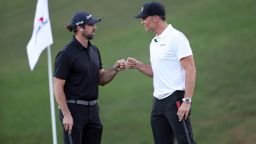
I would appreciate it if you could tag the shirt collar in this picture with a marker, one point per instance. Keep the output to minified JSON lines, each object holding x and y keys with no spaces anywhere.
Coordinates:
{"x":165,"y":32}
{"x":79,"y":45}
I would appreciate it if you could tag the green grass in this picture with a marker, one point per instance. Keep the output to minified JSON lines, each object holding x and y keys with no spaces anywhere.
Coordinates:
{"x":221,"y":33}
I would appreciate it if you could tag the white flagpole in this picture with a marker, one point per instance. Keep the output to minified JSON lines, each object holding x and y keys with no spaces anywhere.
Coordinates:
{"x":54,"y":131}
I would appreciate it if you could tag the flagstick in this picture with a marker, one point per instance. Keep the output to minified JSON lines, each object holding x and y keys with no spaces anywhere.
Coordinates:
{"x":54,"y":133}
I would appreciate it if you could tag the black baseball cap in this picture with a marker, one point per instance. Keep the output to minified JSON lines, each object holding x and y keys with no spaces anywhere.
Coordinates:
{"x":81,"y":18}
{"x":151,"y":9}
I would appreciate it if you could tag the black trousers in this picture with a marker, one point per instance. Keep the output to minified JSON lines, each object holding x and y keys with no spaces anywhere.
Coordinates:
{"x":87,"y":128}
{"x":165,"y":123}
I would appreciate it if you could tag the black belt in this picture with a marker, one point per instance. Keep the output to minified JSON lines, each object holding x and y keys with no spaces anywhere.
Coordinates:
{"x":83,"y":102}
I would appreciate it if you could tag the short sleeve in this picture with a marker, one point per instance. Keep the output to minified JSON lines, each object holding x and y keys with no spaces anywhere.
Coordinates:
{"x":62,"y":65}
{"x":183,"y":48}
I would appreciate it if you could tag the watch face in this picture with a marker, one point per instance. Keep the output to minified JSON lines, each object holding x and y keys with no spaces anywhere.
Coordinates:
{"x":186,"y":100}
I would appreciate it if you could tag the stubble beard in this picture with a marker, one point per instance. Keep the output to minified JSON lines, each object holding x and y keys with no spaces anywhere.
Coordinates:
{"x":89,"y":36}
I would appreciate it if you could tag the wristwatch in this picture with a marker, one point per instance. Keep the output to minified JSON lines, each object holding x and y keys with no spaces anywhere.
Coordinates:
{"x":187,"y":100}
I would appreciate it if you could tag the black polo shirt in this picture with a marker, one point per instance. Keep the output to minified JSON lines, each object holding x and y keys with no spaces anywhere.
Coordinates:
{"x":80,"y":67}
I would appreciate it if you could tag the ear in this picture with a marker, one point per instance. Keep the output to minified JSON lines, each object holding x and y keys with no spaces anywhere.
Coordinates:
{"x":79,"y":28}
{"x":155,"y":18}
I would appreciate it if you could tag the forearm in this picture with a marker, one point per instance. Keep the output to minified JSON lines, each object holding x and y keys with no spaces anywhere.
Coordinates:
{"x":145,"y":69}
{"x":190,"y":79}
{"x":107,"y":76}
{"x":61,"y":98}
{"x":62,"y":103}
{"x":133,"y":63}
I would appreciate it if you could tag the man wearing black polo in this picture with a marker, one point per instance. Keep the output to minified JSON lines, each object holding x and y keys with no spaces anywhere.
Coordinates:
{"x":78,"y":73}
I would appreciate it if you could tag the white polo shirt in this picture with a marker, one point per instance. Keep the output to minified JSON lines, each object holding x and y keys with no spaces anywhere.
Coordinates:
{"x":166,"y":50}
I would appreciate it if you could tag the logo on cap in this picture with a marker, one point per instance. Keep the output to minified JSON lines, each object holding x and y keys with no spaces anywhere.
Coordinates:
{"x":89,"y":16}
{"x":141,"y":9}
{"x":78,"y":23}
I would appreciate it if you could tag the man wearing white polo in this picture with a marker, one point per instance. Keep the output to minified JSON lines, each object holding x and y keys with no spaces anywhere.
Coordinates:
{"x":173,"y":71}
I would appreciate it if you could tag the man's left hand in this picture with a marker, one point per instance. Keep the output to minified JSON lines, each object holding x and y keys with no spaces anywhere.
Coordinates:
{"x":183,"y":111}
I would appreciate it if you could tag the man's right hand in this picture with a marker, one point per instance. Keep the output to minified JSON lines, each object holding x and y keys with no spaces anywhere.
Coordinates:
{"x":132,"y":63}
{"x":68,"y":123}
